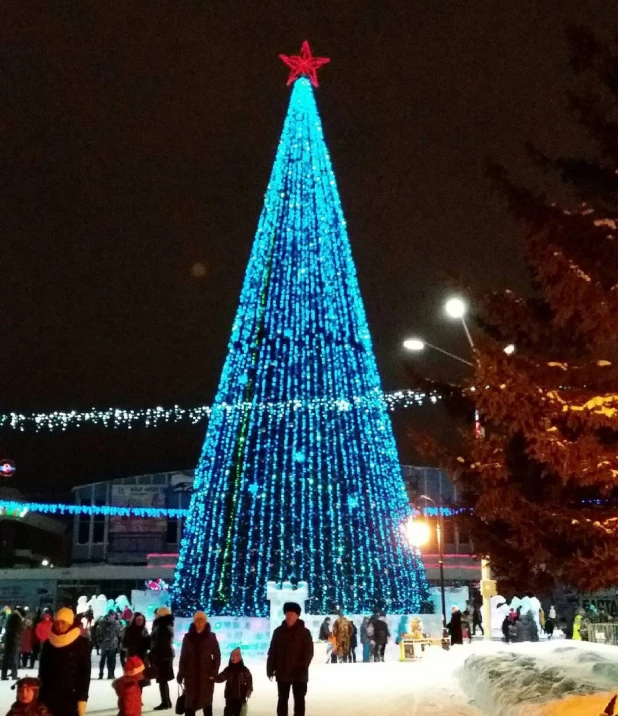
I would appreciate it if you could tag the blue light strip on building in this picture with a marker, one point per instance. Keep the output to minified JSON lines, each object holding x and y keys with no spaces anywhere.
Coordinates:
{"x":58,"y":508}
{"x":16,"y":508}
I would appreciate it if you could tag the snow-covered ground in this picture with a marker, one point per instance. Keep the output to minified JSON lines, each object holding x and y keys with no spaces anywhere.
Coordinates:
{"x":483,"y":678}
{"x":422,"y":688}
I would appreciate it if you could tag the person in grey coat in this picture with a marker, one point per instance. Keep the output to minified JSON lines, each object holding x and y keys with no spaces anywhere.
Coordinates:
{"x":200,"y":659}
{"x":108,"y":637}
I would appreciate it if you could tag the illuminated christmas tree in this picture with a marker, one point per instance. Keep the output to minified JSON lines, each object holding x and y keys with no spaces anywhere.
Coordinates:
{"x":299,"y":478}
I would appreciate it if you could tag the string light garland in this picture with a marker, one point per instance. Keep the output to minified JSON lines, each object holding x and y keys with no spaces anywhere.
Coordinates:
{"x":21,"y":509}
{"x":312,"y":489}
{"x":116,"y":418}
{"x":16,"y":508}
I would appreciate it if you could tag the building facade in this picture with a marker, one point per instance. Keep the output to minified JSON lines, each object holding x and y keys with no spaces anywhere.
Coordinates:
{"x":106,"y":554}
{"x":154,"y":541}
{"x":130,"y":540}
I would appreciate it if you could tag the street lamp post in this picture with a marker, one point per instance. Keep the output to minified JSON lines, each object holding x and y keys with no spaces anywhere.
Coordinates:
{"x":456,"y":308}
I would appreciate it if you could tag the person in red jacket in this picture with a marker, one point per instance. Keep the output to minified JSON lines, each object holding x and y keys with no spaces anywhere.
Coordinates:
{"x":43,"y":628}
{"x":27,"y":644}
{"x":128,"y":689}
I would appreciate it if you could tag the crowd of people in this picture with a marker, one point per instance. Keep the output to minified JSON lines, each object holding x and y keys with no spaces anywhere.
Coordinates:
{"x":65,"y":662}
{"x":24,"y":635}
{"x":520,"y":627}
{"x":463,"y":625}
{"x":342,"y":638}
{"x":64,"y":646}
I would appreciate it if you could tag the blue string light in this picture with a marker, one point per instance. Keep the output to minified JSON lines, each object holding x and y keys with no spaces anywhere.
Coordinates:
{"x":310,"y":490}
{"x":13,"y":507}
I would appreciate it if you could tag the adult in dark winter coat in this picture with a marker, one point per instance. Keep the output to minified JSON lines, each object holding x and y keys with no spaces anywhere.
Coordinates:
{"x":477,"y":620}
{"x":12,"y":643}
{"x":454,"y":627}
{"x":353,"y":643}
{"x":506,"y":629}
{"x":325,"y":631}
{"x":162,"y":654}
{"x":289,"y":657}
{"x":381,"y":634}
{"x":136,"y":640}
{"x":326,"y":635}
{"x":64,"y":668}
{"x":200,"y":659}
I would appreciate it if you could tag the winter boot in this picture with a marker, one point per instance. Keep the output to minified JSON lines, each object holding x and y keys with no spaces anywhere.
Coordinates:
{"x":165,"y":704}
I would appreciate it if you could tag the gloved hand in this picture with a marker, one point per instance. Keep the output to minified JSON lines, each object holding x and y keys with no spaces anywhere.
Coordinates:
{"x":81,"y":707}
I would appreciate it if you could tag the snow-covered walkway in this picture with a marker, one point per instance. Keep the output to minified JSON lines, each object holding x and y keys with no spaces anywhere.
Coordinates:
{"x":422,"y":688}
{"x":498,"y":680}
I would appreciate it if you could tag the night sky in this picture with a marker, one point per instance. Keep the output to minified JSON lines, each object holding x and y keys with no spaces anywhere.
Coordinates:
{"x":137,"y":141}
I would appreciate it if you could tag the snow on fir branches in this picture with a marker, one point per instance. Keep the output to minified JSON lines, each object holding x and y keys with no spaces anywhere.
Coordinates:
{"x":543,"y":482}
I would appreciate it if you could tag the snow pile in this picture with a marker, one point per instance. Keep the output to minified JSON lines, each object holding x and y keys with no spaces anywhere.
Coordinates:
{"x":542,"y":679}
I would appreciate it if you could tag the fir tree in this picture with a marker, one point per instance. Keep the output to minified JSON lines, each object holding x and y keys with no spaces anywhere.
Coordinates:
{"x":542,"y":482}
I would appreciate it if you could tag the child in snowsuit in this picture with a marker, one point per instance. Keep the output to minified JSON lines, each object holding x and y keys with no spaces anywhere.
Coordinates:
{"x":28,"y":703}
{"x":128,"y":689}
{"x":238,"y":684}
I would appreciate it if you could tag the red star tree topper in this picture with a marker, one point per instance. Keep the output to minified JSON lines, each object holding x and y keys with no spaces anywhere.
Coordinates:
{"x":304,"y":64}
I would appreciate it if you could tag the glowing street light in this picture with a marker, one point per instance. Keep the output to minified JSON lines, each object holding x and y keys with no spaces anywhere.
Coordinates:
{"x":510,"y":349}
{"x":417,"y":532}
{"x":45,"y":563}
{"x":455,"y":308}
{"x":414,"y":344}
